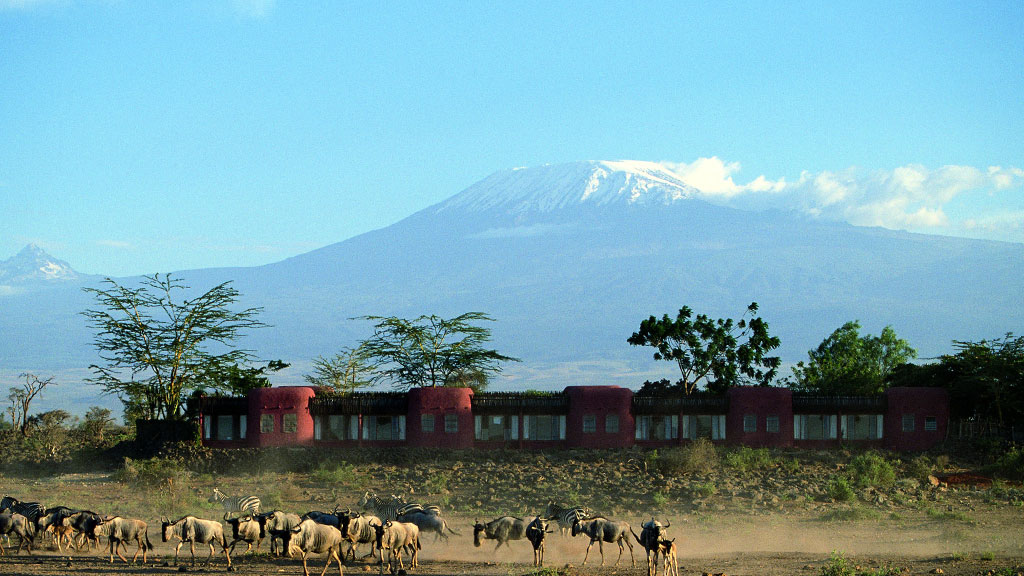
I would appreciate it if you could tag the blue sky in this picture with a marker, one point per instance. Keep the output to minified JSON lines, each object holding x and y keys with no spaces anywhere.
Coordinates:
{"x":138,"y":137}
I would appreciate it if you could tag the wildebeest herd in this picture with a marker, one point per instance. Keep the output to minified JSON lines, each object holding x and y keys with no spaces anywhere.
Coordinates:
{"x":390,"y":527}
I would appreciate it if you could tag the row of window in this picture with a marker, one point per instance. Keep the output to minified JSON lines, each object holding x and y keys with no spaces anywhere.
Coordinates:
{"x":552,"y":427}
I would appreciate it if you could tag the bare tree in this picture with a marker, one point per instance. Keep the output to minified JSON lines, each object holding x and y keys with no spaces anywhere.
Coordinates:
{"x":21,"y":398}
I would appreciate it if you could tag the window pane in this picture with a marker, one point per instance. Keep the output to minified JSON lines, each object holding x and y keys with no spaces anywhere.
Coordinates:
{"x":749,"y":423}
{"x":336,"y":427}
{"x":290,"y":423}
{"x":931,"y":424}
{"x":266,"y":423}
{"x":451,"y":423}
{"x":427,"y":422}
{"x":225,"y":427}
{"x":772,"y":424}
{"x":611,"y":424}
{"x":908,"y":422}
{"x":589,"y":423}
{"x":242,"y":421}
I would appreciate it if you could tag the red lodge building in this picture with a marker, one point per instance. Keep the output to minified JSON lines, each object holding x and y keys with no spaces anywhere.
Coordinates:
{"x":904,"y":419}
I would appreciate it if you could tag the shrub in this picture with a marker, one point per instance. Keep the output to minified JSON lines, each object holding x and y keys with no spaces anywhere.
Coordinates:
{"x":746,"y":458}
{"x":838,"y":565}
{"x":1009,"y":465}
{"x":839,"y":489}
{"x":704,"y":489}
{"x":871,"y":469}
{"x":698,"y":457}
{"x":152,"y":473}
{"x":919,"y":468}
{"x":660,"y":499}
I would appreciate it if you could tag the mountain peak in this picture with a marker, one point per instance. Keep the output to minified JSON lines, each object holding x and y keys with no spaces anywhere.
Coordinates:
{"x":555,"y":186}
{"x":32,"y":263}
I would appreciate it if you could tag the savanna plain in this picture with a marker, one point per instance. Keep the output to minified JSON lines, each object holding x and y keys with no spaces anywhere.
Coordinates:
{"x":733,"y":511}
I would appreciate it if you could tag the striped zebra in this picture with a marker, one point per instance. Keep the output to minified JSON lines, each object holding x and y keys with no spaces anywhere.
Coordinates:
{"x":393,"y":507}
{"x":234,"y":504}
{"x":31,"y":510}
{"x":567,"y":515}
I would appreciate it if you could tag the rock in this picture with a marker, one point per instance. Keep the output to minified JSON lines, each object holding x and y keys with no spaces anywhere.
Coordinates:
{"x":938,"y":571}
{"x":933,"y":480}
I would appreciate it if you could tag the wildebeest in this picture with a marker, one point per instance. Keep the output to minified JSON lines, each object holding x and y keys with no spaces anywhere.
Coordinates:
{"x":502,"y":529}
{"x":535,"y":534}
{"x":311,"y":537}
{"x":323,"y":518}
{"x":651,"y":535}
{"x":82,"y":523}
{"x":428,"y":522}
{"x":120,"y":531}
{"x":602,"y":530}
{"x":357,"y":528}
{"x":14,"y":523}
{"x":52,"y":521}
{"x":275,"y":523}
{"x":396,"y":537}
{"x":194,"y":530}
{"x":245,"y":529}
{"x":667,"y":548}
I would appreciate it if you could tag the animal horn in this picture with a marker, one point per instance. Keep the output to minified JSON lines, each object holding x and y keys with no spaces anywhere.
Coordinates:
{"x":668,"y":523}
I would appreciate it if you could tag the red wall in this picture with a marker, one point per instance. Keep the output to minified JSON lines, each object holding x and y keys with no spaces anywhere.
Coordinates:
{"x":760,"y":402}
{"x":921,"y":402}
{"x":278,"y":402}
{"x":440,"y":401}
{"x":599,"y":401}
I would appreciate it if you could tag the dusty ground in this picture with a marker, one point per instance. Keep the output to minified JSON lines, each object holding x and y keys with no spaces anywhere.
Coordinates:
{"x":772,"y":521}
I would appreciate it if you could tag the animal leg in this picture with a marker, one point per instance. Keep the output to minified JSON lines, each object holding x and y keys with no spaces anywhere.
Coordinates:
{"x":305,"y":569}
{"x":587,"y":555}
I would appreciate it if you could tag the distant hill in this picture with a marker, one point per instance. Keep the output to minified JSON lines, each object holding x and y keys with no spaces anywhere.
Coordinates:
{"x":568,"y":259}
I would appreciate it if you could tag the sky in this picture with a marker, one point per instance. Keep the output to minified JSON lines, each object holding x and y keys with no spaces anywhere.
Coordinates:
{"x":140,"y":137}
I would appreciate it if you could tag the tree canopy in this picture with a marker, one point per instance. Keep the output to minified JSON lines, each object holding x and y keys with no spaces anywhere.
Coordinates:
{"x":346,"y":371}
{"x":431,"y":351}
{"x":850,"y":364}
{"x":156,"y":345}
{"x":720,"y":353}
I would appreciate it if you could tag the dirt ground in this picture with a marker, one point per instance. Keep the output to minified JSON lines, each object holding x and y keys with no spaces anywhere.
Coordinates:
{"x":730,"y":544}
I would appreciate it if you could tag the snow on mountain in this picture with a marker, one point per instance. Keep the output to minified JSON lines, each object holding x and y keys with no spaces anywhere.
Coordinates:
{"x":33,"y":264}
{"x":557,"y":186}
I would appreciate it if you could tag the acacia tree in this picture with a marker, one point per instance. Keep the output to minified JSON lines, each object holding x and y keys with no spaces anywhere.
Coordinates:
{"x":430,"y":351}
{"x":21,"y":398}
{"x":718,"y":352}
{"x":848,"y":363}
{"x":990,"y":377}
{"x":156,"y":345}
{"x":346,"y":371}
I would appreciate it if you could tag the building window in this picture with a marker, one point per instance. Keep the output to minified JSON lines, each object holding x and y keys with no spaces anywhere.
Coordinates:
{"x":814,"y":427}
{"x":589,"y":423}
{"x":495,"y":427}
{"x":862,"y":426}
{"x":711,"y":426}
{"x":334,"y":427}
{"x":931,"y":424}
{"x":207,"y":419}
{"x":426,"y":422}
{"x":749,"y":423}
{"x":242,"y":422}
{"x":289,"y":423}
{"x":657,"y":427}
{"x":611,"y":424}
{"x":266,"y":423}
{"x":451,"y":423}
{"x":771,"y":424}
{"x":383,"y":427}
{"x":908,"y":422}
{"x":544,"y":427}
{"x":225,"y":427}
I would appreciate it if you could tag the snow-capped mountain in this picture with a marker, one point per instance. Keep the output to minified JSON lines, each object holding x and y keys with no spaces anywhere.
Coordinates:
{"x":556,"y":186}
{"x":568,"y":259}
{"x":33,"y":264}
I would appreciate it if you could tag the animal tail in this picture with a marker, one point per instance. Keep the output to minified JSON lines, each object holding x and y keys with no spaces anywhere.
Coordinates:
{"x":449,"y":528}
{"x":635,"y":536}
{"x":149,"y":545}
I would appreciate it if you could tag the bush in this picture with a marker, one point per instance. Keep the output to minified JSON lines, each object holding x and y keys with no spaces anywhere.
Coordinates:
{"x":152,"y":473}
{"x":871,"y":469}
{"x":700,"y":456}
{"x":1010,"y":465}
{"x":838,"y":565}
{"x":746,"y":458}
{"x":839,"y":489}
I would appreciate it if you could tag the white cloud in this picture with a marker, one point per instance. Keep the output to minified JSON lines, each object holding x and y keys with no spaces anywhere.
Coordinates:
{"x":114,"y":244}
{"x":957,"y":200}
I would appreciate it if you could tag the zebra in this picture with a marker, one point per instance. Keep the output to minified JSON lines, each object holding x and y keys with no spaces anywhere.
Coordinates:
{"x":31,"y":510}
{"x":567,"y":516}
{"x":236,"y":504}
{"x":393,"y":507}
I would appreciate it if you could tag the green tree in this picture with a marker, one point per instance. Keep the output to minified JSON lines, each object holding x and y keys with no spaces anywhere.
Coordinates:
{"x":238,"y":381}
{"x":848,"y":363}
{"x":95,"y":426}
{"x":717,"y":352}
{"x":989,"y":377}
{"x":430,"y":351}
{"x":157,"y":345}
{"x":346,"y":371}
